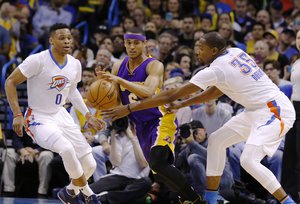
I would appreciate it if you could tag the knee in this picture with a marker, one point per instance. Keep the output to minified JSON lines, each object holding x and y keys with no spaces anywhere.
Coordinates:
{"x":45,"y":156}
{"x":67,"y":150}
{"x":89,"y":167}
{"x":246,"y":162}
{"x":194,"y":160}
{"x":146,"y":184}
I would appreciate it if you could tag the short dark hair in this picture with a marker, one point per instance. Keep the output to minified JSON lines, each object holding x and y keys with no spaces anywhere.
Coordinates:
{"x":58,"y":26}
{"x":214,"y":39}
{"x":136,"y":30}
{"x":275,"y":64}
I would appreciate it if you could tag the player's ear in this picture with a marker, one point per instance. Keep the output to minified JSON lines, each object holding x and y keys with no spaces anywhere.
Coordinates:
{"x":215,"y":50}
{"x":50,"y":41}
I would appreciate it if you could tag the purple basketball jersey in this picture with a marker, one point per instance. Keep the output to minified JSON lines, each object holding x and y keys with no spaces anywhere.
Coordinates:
{"x":139,"y":75}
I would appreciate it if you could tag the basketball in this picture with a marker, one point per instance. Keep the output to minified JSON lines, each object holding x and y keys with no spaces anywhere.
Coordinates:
{"x":102,"y":95}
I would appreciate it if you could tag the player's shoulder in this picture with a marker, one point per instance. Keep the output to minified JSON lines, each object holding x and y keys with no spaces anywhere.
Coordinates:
{"x":117,"y":65}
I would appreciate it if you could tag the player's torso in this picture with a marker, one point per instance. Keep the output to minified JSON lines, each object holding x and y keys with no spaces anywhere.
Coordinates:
{"x":48,"y":90}
{"x":139,"y":75}
{"x":244,"y":81}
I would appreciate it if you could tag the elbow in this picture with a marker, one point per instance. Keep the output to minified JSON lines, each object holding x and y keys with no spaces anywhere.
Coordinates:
{"x":144,"y":164}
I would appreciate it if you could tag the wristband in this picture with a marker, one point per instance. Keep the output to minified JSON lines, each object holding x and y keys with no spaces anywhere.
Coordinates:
{"x":18,"y":115}
{"x":128,"y":108}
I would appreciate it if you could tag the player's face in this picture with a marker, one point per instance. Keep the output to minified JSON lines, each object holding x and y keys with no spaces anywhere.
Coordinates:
{"x":298,"y":40}
{"x":61,"y":41}
{"x":205,"y":53}
{"x":134,"y":47}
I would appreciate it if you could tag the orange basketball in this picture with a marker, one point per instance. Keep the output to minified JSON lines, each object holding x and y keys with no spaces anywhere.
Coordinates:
{"x":102,"y":95}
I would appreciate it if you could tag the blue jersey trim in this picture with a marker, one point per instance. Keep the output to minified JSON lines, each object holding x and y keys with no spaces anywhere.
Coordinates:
{"x":54,"y":60}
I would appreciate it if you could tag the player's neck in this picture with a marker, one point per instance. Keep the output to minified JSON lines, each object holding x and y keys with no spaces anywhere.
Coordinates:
{"x":135,"y":62}
{"x":59,"y":58}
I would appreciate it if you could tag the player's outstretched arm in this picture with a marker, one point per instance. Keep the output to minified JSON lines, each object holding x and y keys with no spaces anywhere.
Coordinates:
{"x":15,"y":78}
{"x":207,"y":95}
{"x":153,"y":101}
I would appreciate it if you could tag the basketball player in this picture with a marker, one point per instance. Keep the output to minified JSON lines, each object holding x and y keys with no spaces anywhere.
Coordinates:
{"x":52,"y":76}
{"x":140,"y":77}
{"x":267,"y":117}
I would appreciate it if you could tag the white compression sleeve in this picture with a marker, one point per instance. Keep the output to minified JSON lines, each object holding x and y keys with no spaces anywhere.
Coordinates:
{"x":77,"y":100}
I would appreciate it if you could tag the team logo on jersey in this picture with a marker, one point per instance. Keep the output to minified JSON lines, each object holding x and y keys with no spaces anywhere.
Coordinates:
{"x":58,"y":82}
{"x":168,"y":139}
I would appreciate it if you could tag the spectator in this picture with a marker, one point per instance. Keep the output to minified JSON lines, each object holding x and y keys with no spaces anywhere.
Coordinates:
{"x":285,"y":46}
{"x":272,"y":38}
{"x":5,"y":43}
{"x":165,"y":45}
{"x":263,"y":16}
{"x":211,"y":116}
{"x":257,"y":34}
{"x":128,"y":180}
{"x":188,"y":28}
{"x":272,"y":69}
{"x":25,"y":151}
{"x":84,"y":54}
{"x":47,"y":15}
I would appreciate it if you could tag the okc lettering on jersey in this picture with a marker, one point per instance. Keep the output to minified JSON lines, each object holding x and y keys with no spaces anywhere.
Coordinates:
{"x":58,"y":82}
{"x":136,"y":82}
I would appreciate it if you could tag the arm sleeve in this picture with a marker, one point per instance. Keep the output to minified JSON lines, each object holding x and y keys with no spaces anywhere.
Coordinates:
{"x":205,"y":78}
{"x":77,"y":100}
{"x":30,"y":66}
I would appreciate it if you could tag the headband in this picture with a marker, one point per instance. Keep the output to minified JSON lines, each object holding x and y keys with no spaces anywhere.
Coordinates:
{"x":135,"y":36}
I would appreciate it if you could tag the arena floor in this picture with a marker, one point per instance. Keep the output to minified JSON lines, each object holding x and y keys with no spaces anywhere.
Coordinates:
{"x":6,"y":200}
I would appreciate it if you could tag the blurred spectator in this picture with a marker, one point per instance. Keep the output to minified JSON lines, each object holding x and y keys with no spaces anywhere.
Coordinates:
{"x":261,"y":52}
{"x":185,"y":63}
{"x":5,"y":43}
{"x":100,"y":32}
{"x":102,"y":60}
{"x":168,"y":68}
{"x":154,"y":6}
{"x":152,"y":48}
{"x":165,"y":45}
{"x":84,"y":54}
{"x":285,"y":46}
{"x":11,"y":24}
{"x":117,"y":30}
{"x":130,"y":7}
{"x":183,"y":115}
{"x":128,"y":23}
{"x":139,"y":16}
{"x":272,"y":38}
{"x":240,"y":16}
{"x":47,"y":15}
{"x":159,"y":21}
{"x":212,"y":10}
{"x":263,"y":16}
{"x":87,"y":78}
{"x":192,"y":158}
{"x":258,"y":31}
{"x":188,"y":27}
{"x":24,"y":154}
{"x":128,"y":180}
{"x":272,"y":69}
{"x":276,"y":16}
{"x":206,"y":22}
{"x":211,"y":116}
{"x":119,"y":48}
{"x":107,"y":43}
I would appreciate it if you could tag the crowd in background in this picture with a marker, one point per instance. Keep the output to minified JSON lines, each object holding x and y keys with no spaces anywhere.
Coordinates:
{"x":266,"y":30}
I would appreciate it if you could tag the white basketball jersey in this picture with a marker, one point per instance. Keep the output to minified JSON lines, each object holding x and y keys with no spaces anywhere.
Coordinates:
{"x":48,"y":83}
{"x":237,"y":75}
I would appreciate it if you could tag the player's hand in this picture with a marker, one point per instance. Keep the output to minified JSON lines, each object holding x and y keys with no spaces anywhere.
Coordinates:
{"x":174,"y":106}
{"x":18,"y":124}
{"x":95,"y":123}
{"x":108,"y":76}
{"x":115,"y":113}
{"x":24,"y":154}
{"x":106,"y":148}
